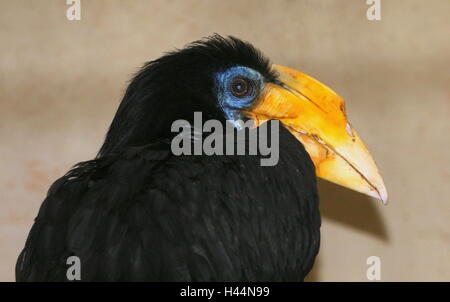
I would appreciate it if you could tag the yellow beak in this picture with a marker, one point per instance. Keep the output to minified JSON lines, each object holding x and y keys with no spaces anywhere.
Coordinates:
{"x":315,"y":115}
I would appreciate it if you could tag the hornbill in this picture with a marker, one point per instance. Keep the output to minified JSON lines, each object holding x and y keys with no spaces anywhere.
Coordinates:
{"x":138,"y":212}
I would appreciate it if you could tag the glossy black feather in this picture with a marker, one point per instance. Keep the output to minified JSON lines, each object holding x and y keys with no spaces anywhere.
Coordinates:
{"x":148,"y":215}
{"x":137,"y":212}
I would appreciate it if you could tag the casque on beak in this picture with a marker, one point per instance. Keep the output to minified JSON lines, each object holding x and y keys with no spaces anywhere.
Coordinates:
{"x":316,"y":116}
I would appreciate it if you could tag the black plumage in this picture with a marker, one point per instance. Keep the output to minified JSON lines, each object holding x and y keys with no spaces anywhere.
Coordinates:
{"x":139,"y":213}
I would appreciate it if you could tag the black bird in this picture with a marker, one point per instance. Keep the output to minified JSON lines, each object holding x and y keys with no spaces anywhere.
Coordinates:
{"x":138,"y":212}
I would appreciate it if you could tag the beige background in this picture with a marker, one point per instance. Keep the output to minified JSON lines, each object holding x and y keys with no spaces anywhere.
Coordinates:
{"x":61,"y":82}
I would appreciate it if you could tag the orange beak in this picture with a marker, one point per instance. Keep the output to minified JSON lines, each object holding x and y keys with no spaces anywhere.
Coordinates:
{"x":315,"y":115}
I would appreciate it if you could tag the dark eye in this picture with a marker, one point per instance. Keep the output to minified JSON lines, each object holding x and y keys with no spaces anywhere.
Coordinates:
{"x":241,"y":87}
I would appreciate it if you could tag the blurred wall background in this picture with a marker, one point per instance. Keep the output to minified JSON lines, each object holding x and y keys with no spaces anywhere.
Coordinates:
{"x":61,"y":82}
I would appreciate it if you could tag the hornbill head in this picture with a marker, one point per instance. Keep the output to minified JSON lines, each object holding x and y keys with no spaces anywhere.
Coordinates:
{"x":228,"y":79}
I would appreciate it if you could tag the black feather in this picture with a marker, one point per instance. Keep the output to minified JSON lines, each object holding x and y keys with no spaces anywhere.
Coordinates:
{"x":137,"y":212}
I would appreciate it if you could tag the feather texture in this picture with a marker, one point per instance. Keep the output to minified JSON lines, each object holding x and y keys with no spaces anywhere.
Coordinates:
{"x":146,"y":215}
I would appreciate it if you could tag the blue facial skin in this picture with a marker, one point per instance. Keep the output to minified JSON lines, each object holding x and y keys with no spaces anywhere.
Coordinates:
{"x":231,"y":104}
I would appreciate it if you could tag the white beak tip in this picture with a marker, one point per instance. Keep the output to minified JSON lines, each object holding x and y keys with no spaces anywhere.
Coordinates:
{"x":380,"y":194}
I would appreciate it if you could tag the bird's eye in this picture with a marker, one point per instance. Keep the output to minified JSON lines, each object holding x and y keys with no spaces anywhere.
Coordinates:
{"x":241,"y":87}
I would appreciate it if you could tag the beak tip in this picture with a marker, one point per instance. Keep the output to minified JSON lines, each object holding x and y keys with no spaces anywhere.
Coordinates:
{"x":381,"y":194}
